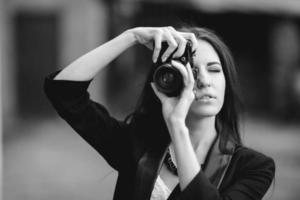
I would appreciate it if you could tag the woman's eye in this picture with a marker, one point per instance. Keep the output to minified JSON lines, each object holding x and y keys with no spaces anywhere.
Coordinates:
{"x":214,"y":69}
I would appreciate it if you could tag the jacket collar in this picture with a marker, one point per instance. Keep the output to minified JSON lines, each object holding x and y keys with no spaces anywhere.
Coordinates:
{"x":217,"y":162}
{"x":214,"y":167}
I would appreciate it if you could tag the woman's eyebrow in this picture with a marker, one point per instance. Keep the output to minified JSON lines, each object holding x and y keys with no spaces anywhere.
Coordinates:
{"x":213,"y":63}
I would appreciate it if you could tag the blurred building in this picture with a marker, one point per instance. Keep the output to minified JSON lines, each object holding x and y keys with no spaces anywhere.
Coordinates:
{"x":1,"y":116}
{"x":44,"y":36}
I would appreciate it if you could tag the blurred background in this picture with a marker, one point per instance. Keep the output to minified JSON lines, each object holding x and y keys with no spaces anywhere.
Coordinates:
{"x":43,"y":158}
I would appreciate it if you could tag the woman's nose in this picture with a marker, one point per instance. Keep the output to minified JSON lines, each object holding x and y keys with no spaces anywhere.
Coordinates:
{"x":202,"y":79}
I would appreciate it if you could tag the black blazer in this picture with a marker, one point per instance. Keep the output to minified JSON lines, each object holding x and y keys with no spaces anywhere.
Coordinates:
{"x":243,"y":174}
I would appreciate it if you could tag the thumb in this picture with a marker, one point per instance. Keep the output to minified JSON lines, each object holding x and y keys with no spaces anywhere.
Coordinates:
{"x":159,"y":94}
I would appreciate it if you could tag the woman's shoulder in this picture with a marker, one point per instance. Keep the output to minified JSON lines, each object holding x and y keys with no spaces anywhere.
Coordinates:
{"x":252,"y":158}
{"x":251,"y":152}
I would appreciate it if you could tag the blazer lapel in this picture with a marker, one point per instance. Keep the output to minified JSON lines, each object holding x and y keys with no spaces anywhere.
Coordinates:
{"x":214,"y":167}
{"x":147,"y":171}
{"x":217,"y":163}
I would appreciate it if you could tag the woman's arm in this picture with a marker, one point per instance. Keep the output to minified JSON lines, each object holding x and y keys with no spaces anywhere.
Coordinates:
{"x":186,"y":159}
{"x":67,"y":90}
{"x":88,"y":65}
{"x":175,"y":110}
{"x":249,"y":176}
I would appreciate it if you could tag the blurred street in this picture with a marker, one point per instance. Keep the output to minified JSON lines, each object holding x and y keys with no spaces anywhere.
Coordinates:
{"x":48,"y":161}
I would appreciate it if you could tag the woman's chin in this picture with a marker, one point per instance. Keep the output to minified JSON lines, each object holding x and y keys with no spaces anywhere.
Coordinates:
{"x":204,"y":111}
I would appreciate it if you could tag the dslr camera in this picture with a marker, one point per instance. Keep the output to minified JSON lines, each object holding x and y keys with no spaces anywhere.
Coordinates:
{"x":167,"y":78}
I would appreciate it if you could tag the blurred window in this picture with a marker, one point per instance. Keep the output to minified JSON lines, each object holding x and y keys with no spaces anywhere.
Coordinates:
{"x":36,"y":48}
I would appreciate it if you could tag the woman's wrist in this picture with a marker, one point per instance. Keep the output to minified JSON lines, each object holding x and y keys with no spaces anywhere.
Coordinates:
{"x":177,"y":126}
{"x":176,"y":122}
{"x":130,"y":36}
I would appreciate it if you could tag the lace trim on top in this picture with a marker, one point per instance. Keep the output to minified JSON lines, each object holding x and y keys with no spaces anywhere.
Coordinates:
{"x":160,"y":190}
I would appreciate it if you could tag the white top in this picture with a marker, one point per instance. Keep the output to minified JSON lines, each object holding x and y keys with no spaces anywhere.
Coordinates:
{"x":160,"y":190}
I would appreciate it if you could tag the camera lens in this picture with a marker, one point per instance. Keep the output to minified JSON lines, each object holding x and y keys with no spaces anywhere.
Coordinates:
{"x":168,"y":80}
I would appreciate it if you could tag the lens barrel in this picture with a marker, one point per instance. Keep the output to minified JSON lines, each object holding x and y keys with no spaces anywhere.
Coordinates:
{"x":168,"y":80}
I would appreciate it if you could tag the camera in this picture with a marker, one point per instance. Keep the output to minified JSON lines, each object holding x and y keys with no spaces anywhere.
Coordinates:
{"x":168,"y":78}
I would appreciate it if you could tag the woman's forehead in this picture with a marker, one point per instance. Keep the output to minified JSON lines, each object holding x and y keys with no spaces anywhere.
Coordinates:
{"x":205,"y":53}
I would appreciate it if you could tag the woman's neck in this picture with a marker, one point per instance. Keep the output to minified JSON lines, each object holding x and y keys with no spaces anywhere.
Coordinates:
{"x":202,"y":131}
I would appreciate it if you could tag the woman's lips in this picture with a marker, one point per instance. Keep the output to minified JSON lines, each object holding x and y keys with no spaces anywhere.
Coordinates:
{"x":205,"y":97}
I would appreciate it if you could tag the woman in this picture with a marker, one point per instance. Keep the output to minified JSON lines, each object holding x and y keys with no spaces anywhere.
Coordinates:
{"x":184,"y":147}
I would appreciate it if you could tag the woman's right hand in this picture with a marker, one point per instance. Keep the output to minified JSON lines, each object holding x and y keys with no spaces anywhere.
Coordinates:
{"x":152,"y":37}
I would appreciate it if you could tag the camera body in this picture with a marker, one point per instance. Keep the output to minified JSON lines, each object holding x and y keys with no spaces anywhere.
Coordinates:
{"x":168,"y":78}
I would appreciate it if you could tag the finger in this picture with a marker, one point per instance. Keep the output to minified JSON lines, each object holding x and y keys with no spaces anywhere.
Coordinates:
{"x":188,"y":90}
{"x":181,"y":46}
{"x":181,"y":42}
{"x":191,"y":80}
{"x":160,"y":95}
{"x":182,"y":70}
{"x":157,"y":47}
{"x":172,"y":45}
{"x":192,"y":38}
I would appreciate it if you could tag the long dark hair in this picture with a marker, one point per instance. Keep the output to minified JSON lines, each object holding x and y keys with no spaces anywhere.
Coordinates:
{"x":148,"y":114}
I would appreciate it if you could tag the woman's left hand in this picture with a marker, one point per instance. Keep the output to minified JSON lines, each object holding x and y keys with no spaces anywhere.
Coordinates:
{"x":175,"y":109}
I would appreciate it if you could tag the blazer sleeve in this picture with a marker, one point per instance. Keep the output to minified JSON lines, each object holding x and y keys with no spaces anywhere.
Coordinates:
{"x":89,"y":119}
{"x":251,"y":183}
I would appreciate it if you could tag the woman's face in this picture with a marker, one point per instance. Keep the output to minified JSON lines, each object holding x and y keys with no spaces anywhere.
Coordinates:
{"x":210,"y":83}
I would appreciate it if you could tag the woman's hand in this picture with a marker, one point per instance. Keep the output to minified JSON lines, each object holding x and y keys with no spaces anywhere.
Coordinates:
{"x":176,"y":40}
{"x":175,"y":109}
